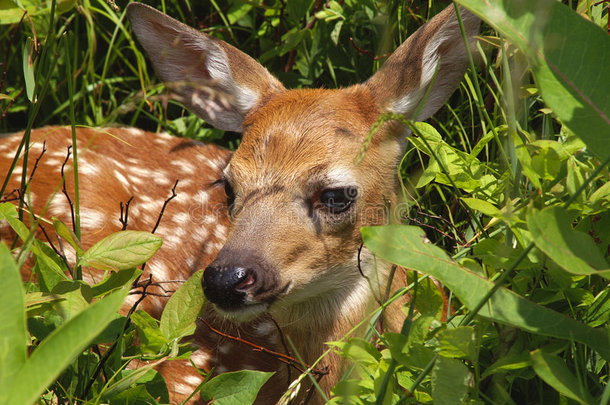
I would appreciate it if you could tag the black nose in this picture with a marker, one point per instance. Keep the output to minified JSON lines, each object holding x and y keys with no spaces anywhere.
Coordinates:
{"x":227,"y":286}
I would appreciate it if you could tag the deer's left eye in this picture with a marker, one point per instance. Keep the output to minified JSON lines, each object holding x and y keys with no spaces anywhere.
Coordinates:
{"x":338,"y":200}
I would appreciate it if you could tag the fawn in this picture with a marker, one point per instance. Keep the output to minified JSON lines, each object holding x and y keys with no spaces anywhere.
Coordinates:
{"x":275,"y":224}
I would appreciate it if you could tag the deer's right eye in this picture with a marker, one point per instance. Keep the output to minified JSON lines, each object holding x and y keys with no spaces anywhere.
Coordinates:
{"x":338,"y":200}
{"x":230,"y":195}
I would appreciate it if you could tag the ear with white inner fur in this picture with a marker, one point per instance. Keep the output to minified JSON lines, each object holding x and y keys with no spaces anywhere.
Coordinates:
{"x":214,"y":80}
{"x":401,"y":83}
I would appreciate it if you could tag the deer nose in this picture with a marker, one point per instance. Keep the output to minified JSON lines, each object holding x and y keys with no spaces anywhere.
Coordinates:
{"x":226,"y":286}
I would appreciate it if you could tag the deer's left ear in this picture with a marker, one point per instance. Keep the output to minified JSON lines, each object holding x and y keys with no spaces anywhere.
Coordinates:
{"x":401,"y":83}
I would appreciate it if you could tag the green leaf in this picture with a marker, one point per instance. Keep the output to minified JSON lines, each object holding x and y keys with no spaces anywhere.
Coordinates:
{"x":574,"y":251}
{"x":457,"y":343}
{"x":115,"y":280}
{"x":404,"y":245}
{"x":13,"y":335}
{"x":483,"y":206}
{"x":449,"y":381}
{"x":236,"y":388}
{"x":151,"y":338}
{"x":183,"y":308}
{"x":28,"y":69}
{"x":555,"y":373}
{"x":56,"y":351}
{"x":121,"y":250}
{"x":50,"y":272}
{"x":68,"y":235}
{"x":569,"y":56}
{"x":525,"y":159}
{"x":358,"y":350}
{"x":511,"y":362}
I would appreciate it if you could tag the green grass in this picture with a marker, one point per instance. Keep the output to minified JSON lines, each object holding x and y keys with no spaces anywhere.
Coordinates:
{"x":509,"y":183}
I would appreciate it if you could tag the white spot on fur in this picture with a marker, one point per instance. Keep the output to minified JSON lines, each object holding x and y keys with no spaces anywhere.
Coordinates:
{"x":88,"y":169}
{"x":55,"y":162}
{"x":59,"y":206}
{"x":92,"y":219}
{"x":220,"y":231}
{"x":193,"y":380}
{"x":159,"y":270}
{"x":220,"y":369}
{"x":181,"y":218}
{"x":138,"y":171}
{"x":161,"y":179}
{"x":181,"y":388}
{"x":134,"y":131}
{"x":121,"y":178}
{"x":184,"y":165}
{"x":200,"y":234}
{"x":200,"y":358}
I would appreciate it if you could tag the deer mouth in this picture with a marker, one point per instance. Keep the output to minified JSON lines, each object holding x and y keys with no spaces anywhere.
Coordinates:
{"x":246,"y":302}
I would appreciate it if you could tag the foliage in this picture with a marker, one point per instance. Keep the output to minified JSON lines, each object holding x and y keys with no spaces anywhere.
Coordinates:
{"x":511,"y":190}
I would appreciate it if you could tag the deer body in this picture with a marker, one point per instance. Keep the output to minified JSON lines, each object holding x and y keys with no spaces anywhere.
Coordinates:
{"x":276,"y":225}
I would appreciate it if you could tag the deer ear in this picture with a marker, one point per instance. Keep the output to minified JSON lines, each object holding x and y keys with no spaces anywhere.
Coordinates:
{"x":401,"y":83}
{"x":213,"y":79}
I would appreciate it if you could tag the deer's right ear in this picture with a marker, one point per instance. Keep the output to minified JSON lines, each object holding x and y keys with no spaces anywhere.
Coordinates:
{"x":214,"y":80}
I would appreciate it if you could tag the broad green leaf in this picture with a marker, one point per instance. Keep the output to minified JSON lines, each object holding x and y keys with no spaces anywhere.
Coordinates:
{"x":236,"y":388}
{"x":555,"y":373}
{"x":180,"y":313}
{"x":457,"y":343}
{"x":115,"y":280}
{"x":151,"y":338}
{"x":598,"y":312}
{"x":121,"y":250}
{"x":569,"y":57}
{"x":449,"y":380}
{"x":404,"y":245}
{"x":358,"y":350}
{"x":68,"y":235}
{"x":511,"y":362}
{"x":574,"y":251}
{"x":50,"y":272}
{"x":77,"y":296}
{"x":483,"y":207}
{"x":58,"y":349}
{"x":10,"y":13}
{"x":13,"y":335}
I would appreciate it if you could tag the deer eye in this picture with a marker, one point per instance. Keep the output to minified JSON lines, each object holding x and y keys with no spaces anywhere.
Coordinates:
{"x":338,"y":200}
{"x":230,"y":195}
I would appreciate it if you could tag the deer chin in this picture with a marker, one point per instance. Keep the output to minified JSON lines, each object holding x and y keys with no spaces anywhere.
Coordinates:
{"x":246,"y":313}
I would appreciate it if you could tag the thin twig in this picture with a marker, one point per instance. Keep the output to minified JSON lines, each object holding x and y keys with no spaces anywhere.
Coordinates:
{"x":124,"y":216}
{"x":44,"y":149}
{"x":63,"y":187}
{"x":278,"y":356}
{"x":165,"y":205}
{"x":100,"y":365}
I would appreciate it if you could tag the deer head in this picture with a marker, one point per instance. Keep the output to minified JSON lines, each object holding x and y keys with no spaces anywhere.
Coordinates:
{"x":296,"y":196}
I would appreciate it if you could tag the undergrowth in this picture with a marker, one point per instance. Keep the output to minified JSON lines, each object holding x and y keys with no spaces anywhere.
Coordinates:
{"x":509,"y":182}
